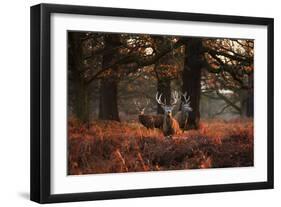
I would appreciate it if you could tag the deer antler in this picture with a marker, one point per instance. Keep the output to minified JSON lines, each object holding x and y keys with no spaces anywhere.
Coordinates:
{"x":141,"y":106}
{"x":137,"y":104}
{"x":175,"y":97}
{"x":186,"y":100}
{"x":158,"y":99}
{"x":147,"y":102}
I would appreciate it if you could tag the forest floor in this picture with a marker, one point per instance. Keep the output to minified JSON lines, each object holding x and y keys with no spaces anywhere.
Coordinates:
{"x":110,"y":147}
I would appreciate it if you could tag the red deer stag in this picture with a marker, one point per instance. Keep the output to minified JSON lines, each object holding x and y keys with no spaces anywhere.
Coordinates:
{"x":149,"y":121}
{"x":182,"y":116}
{"x":170,"y":125}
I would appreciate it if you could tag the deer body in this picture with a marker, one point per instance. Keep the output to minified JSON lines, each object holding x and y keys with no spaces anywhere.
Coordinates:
{"x":149,"y":121}
{"x":170,"y":124}
{"x":182,"y":116}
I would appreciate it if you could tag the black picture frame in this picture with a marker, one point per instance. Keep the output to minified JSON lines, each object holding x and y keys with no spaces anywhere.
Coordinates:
{"x":41,"y":96}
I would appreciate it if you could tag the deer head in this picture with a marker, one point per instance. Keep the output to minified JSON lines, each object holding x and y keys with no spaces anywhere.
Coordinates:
{"x":168,"y":108}
{"x":140,"y":106}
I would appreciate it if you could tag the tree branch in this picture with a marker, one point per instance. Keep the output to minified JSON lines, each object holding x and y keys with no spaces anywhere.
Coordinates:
{"x":140,"y":62}
{"x":239,"y":58}
{"x":228,"y":101}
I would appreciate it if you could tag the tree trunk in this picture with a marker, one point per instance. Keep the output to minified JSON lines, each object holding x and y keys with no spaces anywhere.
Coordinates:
{"x":164,"y":88}
{"x":192,"y":78}
{"x":247,"y":98}
{"x":81,"y":101}
{"x":108,"y":104}
{"x":79,"y":94}
{"x":250,"y":98}
{"x":108,"y":100}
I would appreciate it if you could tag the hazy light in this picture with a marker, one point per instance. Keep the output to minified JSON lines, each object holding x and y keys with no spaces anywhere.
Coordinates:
{"x":148,"y":51}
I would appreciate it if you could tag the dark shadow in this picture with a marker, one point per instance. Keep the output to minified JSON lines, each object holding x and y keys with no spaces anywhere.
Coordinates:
{"x":24,"y":195}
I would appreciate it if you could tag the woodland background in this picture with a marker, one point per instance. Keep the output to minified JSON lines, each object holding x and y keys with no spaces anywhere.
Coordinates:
{"x":107,"y":72}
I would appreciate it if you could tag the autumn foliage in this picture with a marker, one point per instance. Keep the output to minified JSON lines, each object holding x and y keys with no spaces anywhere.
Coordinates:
{"x":111,"y":147}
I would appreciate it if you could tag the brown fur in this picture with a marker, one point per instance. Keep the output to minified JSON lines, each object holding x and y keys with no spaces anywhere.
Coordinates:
{"x":171,"y":126}
{"x":182,"y":119}
{"x":158,"y":121}
{"x":151,"y":121}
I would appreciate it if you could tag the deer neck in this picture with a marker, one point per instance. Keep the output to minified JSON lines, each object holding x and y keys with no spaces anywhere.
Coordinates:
{"x":167,"y":122}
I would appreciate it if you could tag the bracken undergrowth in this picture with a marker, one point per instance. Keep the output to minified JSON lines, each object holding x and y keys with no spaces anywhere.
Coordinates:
{"x":113,"y":147}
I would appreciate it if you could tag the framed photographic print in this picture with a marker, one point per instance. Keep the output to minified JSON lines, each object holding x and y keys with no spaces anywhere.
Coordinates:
{"x":133,"y":103}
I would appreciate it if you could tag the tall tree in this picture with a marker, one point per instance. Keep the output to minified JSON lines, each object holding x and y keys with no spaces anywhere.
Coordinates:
{"x":76,"y":70}
{"x":191,"y":77}
{"x":108,"y":109}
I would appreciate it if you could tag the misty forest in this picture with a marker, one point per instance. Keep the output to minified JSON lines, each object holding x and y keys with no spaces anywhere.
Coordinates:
{"x":142,"y":102}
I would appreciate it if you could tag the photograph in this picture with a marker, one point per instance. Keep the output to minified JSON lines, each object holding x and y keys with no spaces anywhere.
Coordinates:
{"x":134,"y":102}
{"x":150,"y":102}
